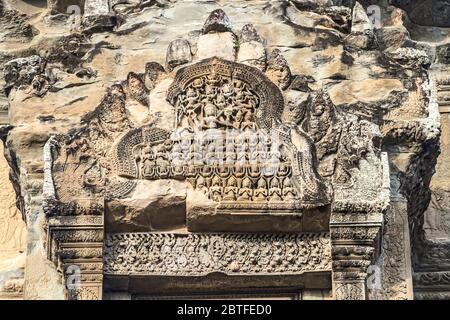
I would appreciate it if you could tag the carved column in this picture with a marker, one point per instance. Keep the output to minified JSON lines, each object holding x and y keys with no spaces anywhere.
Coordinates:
{"x":75,"y":245}
{"x":352,"y":248}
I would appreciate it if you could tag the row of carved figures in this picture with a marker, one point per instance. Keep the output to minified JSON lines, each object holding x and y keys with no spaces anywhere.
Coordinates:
{"x":246,"y":189}
{"x":162,"y":168}
{"x":221,"y":142}
{"x":162,"y":164}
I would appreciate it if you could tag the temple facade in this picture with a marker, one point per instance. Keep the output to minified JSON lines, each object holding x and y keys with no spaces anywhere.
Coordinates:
{"x":225,"y":150}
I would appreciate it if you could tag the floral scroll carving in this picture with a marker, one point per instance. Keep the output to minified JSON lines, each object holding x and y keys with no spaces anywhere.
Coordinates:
{"x":201,"y":254}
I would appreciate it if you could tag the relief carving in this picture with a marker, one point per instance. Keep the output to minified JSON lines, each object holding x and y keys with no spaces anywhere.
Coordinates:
{"x":201,"y":254}
{"x":218,"y":106}
{"x":247,"y":138}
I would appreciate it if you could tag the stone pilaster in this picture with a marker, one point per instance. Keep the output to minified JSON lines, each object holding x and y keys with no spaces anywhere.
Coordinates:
{"x":356,"y":233}
{"x":352,"y":251}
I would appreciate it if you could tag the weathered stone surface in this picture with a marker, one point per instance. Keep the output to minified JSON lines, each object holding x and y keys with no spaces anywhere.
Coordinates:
{"x":222,"y":45}
{"x":428,"y":12}
{"x":278,"y":70}
{"x":164,"y":208}
{"x":217,"y":21}
{"x":360,"y":20}
{"x":178,"y":53}
{"x":251,"y":49}
{"x":350,"y":96}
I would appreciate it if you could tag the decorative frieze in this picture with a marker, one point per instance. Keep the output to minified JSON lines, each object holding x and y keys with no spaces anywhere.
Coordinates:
{"x":168,"y":254}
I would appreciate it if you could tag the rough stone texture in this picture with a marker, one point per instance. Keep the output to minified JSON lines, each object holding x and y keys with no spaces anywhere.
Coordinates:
{"x":162,"y":210}
{"x":220,"y":45}
{"x":354,"y":97}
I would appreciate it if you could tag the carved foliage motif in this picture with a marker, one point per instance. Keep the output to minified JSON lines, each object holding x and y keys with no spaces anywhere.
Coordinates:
{"x":424,"y":279}
{"x":201,"y":254}
{"x":81,"y":162}
{"x":84,"y":293}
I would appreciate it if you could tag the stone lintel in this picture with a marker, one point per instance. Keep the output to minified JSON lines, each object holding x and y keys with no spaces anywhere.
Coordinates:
{"x":431,"y":285}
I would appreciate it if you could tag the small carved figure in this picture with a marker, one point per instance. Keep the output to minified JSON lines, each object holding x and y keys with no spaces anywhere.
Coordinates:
{"x":239,"y":171}
{"x":213,"y":79}
{"x":210,"y":92}
{"x":191,"y":105}
{"x":254,"y":171}
{"x":221,"y":102}
{"x":283,"y":169}
{"x":148,"y":161}
{"x":260,"y":194}
{"x":195,"y":154}
{"x":178,"y":171}
{"x":231,"y":189}
{"x":278,"y":70}
{"x":247,"y":121}
{"x":227,"y":90}
{"x":201,"y":185}
{"x":288,"y":189}
{"x":242,"y":154}
{"x":209,"y":120}
{"x":191,"y":171}
{"x":210,"y":156}
{"x":230,"y":154}
{"x":225,"y":116}
{"x":223,"y":171}
{"x":275,"y":190}
{"x":216,"y":189}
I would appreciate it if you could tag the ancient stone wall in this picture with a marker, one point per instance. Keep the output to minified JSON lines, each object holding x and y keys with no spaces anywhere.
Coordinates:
{"x":13,"y":239}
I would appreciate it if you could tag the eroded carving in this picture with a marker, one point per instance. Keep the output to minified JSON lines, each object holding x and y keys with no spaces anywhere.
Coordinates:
{"x":197,"y":254}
